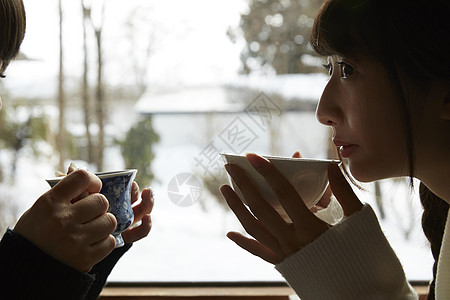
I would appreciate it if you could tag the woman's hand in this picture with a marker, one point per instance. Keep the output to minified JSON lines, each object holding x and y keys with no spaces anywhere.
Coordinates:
{"x":141,"y":211}
{"x":70,"y":222}
{"x":275,"y":239}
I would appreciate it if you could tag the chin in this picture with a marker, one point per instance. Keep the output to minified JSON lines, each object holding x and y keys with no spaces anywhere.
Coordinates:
{"x":366,"y":174}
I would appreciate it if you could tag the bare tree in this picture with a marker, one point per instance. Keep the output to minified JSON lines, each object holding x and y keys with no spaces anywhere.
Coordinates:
{"x":85,"y":84}
{"x":138,"y":21}
{"x":99,"y":92}
{"x":100,"y":100}
{"x":60,"y":140}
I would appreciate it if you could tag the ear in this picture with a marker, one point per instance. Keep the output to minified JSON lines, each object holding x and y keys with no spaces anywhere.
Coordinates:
{"x":445,"y":112}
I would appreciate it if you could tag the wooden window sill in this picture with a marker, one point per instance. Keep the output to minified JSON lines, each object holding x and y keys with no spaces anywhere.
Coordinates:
{"x":197,"y":291}
{"x":210,"y":291}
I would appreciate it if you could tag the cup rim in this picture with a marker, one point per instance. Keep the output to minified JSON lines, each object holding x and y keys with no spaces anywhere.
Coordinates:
{"x":106,"y":174}
{"x":269,"y":157}
{"x":101,"y":175}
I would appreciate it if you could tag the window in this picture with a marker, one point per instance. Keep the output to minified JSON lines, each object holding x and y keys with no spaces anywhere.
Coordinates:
{"x":173,"y":62}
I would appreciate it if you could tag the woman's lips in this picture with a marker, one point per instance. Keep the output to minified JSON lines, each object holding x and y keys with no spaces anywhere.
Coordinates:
{"x":345,"y":149}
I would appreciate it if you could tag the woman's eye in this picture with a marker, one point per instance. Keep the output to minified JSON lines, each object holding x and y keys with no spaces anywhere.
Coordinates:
{"x":346,"y":70}
{"x":329,"y":68}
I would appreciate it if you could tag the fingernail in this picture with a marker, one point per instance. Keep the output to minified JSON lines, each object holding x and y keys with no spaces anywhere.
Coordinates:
{"x":151,"y":192}
{"x":256,"y":160}
{"x":225,"y":190}
{"x":135,"y":187}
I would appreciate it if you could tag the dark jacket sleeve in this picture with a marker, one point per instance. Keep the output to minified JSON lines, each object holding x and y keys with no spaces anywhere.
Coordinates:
{"x":102,"y":270}
{"x":27,"y":272}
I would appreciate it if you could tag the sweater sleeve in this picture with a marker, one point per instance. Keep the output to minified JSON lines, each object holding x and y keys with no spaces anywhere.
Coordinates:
{"x":29,"y":273}
{"x":352,"y":260}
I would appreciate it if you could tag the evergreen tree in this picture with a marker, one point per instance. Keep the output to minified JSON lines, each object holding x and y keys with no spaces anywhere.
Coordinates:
{"x":137,"y":150}
{"x":276,"y":34}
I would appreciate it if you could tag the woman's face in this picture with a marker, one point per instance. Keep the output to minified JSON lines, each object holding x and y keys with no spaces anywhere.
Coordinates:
{"x":363,"y":110}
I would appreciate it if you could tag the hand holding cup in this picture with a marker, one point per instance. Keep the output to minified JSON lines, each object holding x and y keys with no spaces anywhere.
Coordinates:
{"x":275,"y":237}
{"x":74,"y":230}
{"x":117,"y":188}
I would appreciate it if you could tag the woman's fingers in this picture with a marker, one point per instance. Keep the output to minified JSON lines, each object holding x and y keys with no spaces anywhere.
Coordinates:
{"x":254,"y":247}
{"x":283,"y":189}
{"x":274,"y":238}
{"x":99,"y":228}
{"x":74,"y":184}
{"x":89,"y":208}
{"x":305,"y":225}
{"x":257,"y":204}
{"x":297,"y":155}
{"x":251,"y":225}
{"x":101,"y":249}
{"x":145,"y":207}
{"x":141,"y":213}
{"x":134,"y":192}
{"x":343,"y":191}
{"x":139,"y":232}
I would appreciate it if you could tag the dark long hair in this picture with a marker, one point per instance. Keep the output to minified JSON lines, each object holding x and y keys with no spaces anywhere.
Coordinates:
{"x":12,"y":30}
{"x":409,"y":39}
{"x":433,"y":223}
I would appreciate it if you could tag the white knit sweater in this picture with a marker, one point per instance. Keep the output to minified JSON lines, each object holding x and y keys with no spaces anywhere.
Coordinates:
{"x":354,"y":260}
{"x":443,"y":269}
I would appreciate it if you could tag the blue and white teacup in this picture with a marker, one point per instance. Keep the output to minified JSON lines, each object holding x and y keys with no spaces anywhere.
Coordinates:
{"x":116,"y":186}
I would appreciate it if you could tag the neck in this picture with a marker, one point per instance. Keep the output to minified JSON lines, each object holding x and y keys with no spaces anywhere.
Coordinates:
{"x":438,"y":180}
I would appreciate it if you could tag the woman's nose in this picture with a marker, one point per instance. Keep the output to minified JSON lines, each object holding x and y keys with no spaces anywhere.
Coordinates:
{"x":327,"y":111}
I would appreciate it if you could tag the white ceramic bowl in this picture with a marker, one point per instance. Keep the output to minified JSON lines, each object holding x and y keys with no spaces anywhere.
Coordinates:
{"x":308,"y":176}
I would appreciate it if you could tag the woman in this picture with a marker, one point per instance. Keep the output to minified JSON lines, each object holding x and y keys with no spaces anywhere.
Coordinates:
{"x":60,"y":248}
{"x":388,"y":103}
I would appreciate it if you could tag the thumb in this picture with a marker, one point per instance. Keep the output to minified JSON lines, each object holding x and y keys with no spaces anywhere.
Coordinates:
{"x":343,"y":191}
{"x":76,"y":184}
